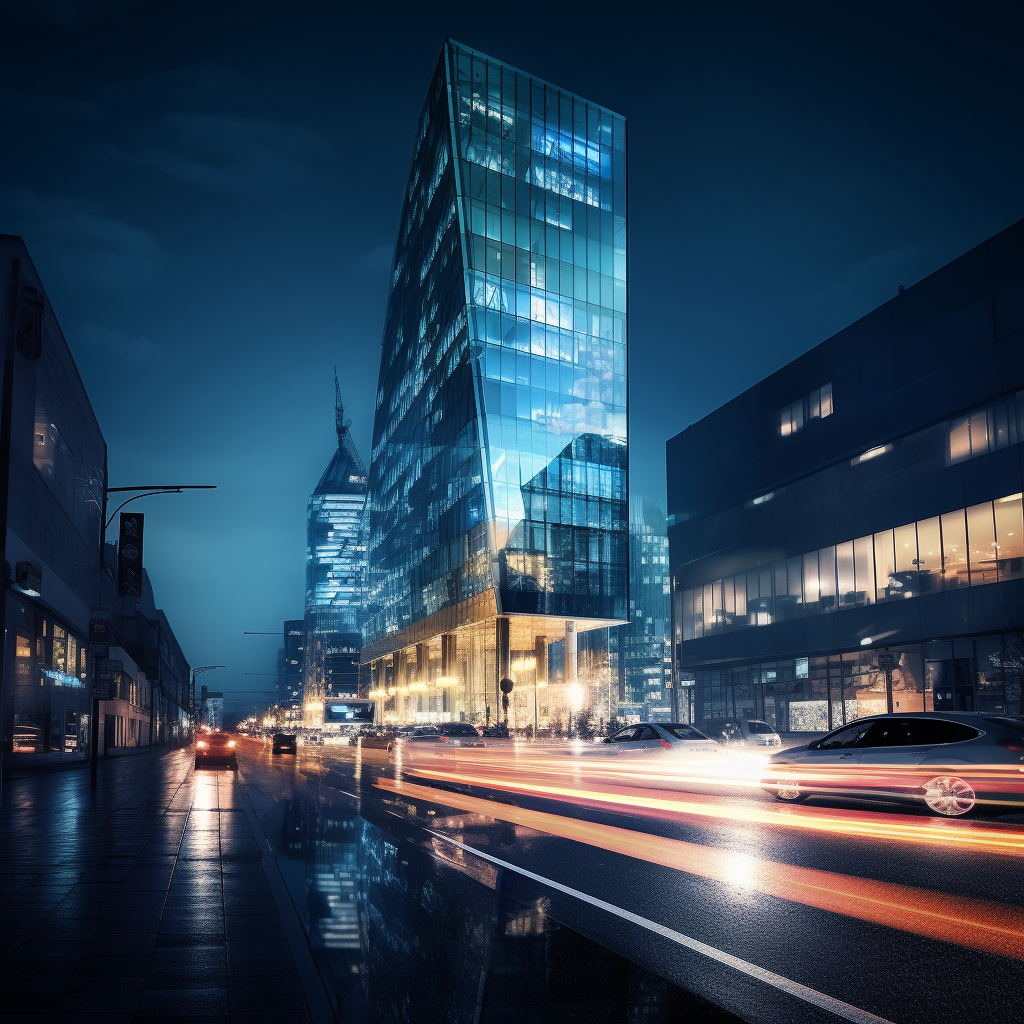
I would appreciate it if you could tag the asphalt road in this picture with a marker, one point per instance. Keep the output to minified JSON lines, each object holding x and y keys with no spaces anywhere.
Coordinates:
{"x":825,"y":911}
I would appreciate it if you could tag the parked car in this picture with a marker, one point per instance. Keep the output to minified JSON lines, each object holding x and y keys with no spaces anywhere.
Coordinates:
{"x":284,"y":743}
{"x":215,"y":748}
{"x":741,"y":732}
{"x":954,"y":763}
{"x":658,"y":738}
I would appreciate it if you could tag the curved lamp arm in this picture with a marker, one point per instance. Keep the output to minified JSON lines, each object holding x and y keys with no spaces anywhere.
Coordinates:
{"x":123,"y":503}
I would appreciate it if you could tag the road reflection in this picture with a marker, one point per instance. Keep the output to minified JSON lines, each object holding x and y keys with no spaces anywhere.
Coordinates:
{"x":408,"y":928}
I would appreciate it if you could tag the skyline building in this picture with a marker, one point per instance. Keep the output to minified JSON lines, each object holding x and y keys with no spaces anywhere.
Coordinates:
{"x":335,"y":575}
{"x":497,"y":508}
{"x":645,"y":645}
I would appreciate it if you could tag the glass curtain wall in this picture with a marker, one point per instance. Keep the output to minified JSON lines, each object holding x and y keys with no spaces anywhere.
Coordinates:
{"x":499,"y":463}
{"x":968,"y":547}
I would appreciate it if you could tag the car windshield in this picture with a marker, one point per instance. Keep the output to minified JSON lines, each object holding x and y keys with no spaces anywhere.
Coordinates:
{"x":683,"y":732}
{"x":759,"y":727}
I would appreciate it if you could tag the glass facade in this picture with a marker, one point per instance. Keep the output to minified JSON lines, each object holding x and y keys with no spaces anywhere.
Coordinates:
{"x":335,"y":578}
{"x":645,"y":644}
{"x":966,"y":547}
{"x":498,"y":478}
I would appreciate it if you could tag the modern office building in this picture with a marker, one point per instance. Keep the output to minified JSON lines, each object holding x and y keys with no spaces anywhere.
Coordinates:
{"x":291,"y":663}
{"x":335,"y":575}
{"x":645,"y":645}
{"x":498,"y":477}
{"x":847,"y":535}
{"x":54,"y":494}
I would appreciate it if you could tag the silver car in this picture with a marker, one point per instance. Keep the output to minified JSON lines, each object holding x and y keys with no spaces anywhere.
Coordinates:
{"x":954,"y":763}
{"x":741,"y":732}
{"x":663,"y":737}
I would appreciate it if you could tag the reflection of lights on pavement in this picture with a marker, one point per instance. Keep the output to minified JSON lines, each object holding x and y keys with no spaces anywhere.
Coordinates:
{"x":978,"y":924}
{"x":638,"y":798}
{"x":739,"y":869}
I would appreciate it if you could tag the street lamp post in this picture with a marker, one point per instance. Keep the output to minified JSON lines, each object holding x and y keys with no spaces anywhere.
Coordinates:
{"x":192,"y":687}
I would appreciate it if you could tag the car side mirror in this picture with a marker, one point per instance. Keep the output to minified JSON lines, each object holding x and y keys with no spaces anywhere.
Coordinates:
{"x":814,"y":745}
{"x":607,"y":739}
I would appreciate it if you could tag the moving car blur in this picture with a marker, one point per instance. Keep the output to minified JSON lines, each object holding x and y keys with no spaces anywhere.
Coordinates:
{"x":952,"y":763}
{"x":741,"y":732}
{"x":663,"y":737}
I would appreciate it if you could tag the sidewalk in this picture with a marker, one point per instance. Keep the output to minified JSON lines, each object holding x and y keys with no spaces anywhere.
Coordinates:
{"x":147,"y":901}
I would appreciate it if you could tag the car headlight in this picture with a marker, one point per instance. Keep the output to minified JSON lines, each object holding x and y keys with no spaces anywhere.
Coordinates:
{"x":231,"y":743}
{"x":201,"y":745}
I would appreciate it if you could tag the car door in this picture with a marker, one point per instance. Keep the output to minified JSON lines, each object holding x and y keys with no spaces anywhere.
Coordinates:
{"x":842,"y":747}
{"x":894,"y":742}
{"x":620,"y":742}
{"x":645,"y":738}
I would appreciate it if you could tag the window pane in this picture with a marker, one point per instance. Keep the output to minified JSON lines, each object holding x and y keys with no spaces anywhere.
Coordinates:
{"x":885,"y":566}
{"x":929,"y":556}
{"x":979,"y":433}
{"x":1010,"y":537}
{"x":741,"y":599}
{"x":844,"y":567}
{"x":796,"y":591}
{"x":784,"y":609}
{"x":954,"y":550}
{"x":864,"y":570}
{"x":904,"y":582}
{"x":687,"y":602}
{"x":981,"y":536}
{"x":811,"y":590}
{"x":826,"y":401}
{"x":698,"y":611}
{"x":827,"y":578}
{"x":960,"y":439}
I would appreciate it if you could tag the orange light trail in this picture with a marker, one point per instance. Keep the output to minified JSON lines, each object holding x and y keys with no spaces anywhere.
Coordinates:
{"x":867,"y":825}
{"x":978,"y":924}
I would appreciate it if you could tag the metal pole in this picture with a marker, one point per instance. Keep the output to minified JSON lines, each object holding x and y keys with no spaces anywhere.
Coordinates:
{"x":94,"y":741}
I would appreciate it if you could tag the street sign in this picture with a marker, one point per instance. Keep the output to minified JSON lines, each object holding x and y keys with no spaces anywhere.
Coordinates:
{"x":129,"y":555}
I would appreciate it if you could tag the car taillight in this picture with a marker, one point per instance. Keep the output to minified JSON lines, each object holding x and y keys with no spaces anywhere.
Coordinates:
{"x":666,"y":744}
{"x":202,"y":744}
{"x":444,"y":739}
{"x":1017,"y":746}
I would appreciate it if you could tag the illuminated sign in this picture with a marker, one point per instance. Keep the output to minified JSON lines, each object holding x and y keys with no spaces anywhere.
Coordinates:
{"x":348,"y":712}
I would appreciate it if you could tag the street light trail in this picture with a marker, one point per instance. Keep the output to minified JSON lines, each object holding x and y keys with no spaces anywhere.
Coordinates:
{"x":977,"y":924}
{"x":867,"y":825}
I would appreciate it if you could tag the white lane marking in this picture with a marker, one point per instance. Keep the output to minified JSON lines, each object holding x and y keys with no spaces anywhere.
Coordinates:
{"x":793,"y":988}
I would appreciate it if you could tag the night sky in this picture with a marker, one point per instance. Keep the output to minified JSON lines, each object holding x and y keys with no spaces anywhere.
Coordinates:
{"x":210,"y":192}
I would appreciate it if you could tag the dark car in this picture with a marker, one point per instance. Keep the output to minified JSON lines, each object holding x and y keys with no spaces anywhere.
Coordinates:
{"x":284,"y":743}
{"x":215,"y":748}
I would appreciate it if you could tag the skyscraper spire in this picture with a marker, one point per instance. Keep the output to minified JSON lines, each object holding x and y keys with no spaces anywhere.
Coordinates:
{"x":339,"y":409}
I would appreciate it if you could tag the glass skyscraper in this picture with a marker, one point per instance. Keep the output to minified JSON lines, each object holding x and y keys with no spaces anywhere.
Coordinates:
{"x":335,"y":575}
{"x":645,"y":647}
{"x":498,"y":479}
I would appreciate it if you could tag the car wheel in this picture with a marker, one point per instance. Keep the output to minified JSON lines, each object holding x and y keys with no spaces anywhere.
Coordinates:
{"x":949,"y":796}
{"x":788,"y":792}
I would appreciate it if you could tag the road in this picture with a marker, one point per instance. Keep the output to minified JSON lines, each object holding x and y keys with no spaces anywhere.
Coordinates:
{"x":746,"y":908}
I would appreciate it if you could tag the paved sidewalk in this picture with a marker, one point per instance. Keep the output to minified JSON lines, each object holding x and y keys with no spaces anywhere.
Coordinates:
{"x":147,"y":901}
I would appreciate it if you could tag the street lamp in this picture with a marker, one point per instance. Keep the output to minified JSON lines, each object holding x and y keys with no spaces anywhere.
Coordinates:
{"x":192,"y":686}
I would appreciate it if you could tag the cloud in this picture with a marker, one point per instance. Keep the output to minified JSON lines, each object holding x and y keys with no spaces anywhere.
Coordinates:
{"x":96,"y":249}
{"x":125,"y":347}
{"x":223,"y":152}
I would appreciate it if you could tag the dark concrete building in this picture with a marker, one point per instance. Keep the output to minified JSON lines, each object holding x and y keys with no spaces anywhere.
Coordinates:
{"x":847,"y":535}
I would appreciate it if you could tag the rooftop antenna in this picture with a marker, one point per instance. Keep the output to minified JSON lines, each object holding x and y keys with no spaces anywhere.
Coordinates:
{"x":340,"y":423}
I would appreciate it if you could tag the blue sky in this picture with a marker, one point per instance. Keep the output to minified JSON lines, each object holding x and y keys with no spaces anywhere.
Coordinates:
{"x":210,"y":192}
